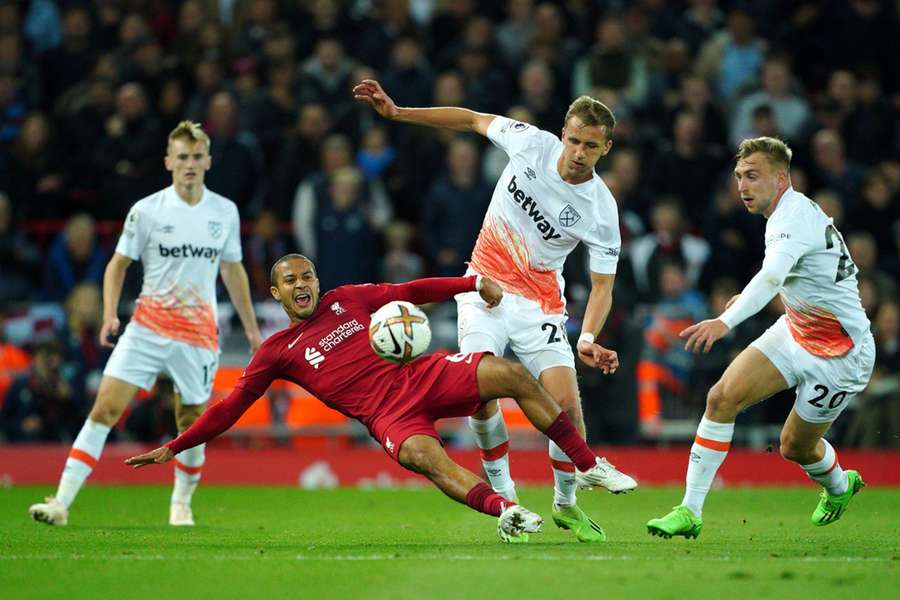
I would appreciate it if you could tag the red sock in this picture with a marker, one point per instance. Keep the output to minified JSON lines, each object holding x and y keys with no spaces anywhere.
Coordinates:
{"x":568,"y":439}
{"x":483,"y":499}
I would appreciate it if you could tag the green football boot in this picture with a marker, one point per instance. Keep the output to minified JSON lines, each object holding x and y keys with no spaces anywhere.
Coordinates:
{"x":576,"y":520}
{"x":831,"y":508}
{"x":681,"y":521}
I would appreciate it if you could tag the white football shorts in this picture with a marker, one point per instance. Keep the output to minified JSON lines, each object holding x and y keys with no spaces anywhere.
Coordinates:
{"x":140,"y":355}
{"x":538,"y":340}
{"x":824,"y":385}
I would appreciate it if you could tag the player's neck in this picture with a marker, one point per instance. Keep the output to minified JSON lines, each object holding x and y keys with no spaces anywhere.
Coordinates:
{"x":191,"y":194}
{"x":774,"y":205}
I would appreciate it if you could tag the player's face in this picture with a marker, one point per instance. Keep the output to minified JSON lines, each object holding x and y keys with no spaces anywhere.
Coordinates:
{"x":759,"y":183}
{"x":584,"y":145}
{"x":188,"y":161}
{"x":297,"y":289}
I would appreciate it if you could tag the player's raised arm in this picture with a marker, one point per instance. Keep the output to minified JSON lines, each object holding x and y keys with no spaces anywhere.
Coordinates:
{"x":434,"y":289}
{"x":447,"y":117}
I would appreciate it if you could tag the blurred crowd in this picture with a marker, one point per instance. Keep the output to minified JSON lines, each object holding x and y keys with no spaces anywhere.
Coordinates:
{"x":90,"y":89}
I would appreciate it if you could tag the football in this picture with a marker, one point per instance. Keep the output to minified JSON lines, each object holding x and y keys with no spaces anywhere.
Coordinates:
{"x":399,"y":332}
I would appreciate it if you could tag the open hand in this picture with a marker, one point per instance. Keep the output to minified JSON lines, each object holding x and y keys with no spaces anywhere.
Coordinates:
{"x":160,"y":455}
{"x":371,"y":92}
{"x":702,"y":335}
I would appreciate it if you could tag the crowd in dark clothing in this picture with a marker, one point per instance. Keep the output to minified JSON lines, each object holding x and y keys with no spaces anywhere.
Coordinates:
{"x":90,"y":89}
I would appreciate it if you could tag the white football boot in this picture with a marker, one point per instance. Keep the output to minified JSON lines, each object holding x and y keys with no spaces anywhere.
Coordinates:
{"x":605,"y":475}
{"x":516,"y":520}
{"x":181,"y":515}
{"x":51,"y":511}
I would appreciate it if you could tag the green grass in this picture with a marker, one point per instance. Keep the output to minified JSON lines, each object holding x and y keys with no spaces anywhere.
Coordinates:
{"x":411,"y":543}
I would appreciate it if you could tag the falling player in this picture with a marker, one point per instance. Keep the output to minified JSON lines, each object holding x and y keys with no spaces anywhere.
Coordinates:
{"x":326,"y":351}
{"x":822,"y":344}
{"x":548,"y":199}
{"x":183,"y":235}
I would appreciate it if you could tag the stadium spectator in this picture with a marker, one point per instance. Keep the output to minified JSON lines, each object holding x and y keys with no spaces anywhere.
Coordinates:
{"x":36,"y":172}
{"x":13,"y":106}
{"x":831,"y":168}
{"x":792,"y":111}
{"x":261,"y":248}
{"x":127,"y":153}
{"x":326,"y":76}
{"x":667,"y":240}
{"x":83,"y":355}
{"x":665,"y":364}
{"x":694,"y":95}
{"x":730,"y":59}
{"x":686,"y":168}
{"x":276,"y":110}
{"x":71,"y":61}
{"x":397,"y":403}
{"x":238,"y":169}
{"x":208,"y":79}
{"x":74,"y":257}
{"x":18,"y":255}
{"x":537,"y":94}
{"x":514,"y":37}
{"x":298,"y":156}
{"x":877,"y":211}
{"x":863,"y":252}
{"x":454,"y":209}
{"x":400,"y":262}
{"x":409,"y":70}
{"x":43,"y":405}
{"x":612,"y":65}
{"x":832,"y":205}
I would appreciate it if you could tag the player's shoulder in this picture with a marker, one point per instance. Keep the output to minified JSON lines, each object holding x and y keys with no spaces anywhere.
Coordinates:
{"x":602,"y":202}
{"x":218,"y":202}
{"x":795,"y":210}
{"x":150,"y":204}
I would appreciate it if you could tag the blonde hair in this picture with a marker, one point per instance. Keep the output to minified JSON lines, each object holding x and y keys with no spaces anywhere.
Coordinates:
{"x":776,"y":151}
{"x":190,"y":132}
{"x":592,"y":113}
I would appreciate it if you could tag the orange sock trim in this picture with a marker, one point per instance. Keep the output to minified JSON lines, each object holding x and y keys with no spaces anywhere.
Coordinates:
{"x":712,"y":444}
{"x":189,"y":470}
{"x":495,"y":452}
{"x":562,"y":466}
{"x":83,"y":457}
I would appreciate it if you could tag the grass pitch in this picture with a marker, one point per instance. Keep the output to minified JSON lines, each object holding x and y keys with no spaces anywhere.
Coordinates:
{"x":414,"y":543}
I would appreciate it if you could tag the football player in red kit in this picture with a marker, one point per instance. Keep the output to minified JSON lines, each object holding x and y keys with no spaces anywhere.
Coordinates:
{"x":326,"y":351}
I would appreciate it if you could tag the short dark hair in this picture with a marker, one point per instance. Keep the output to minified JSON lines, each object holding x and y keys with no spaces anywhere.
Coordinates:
{"x":285,"y":258}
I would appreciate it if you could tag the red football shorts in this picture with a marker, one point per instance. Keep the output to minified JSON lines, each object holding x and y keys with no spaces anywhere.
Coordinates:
{"x":436,"y":386}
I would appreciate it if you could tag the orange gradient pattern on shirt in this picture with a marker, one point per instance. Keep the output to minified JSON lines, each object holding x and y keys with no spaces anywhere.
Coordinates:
{"x":179,"y":316}
{"x":502,"y":255}
{"x":817,"y":331}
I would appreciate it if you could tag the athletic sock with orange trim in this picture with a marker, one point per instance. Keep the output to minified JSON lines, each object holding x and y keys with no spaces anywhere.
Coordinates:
{"x":828,"y":472}
{"x":563,"y":476}
{"x":710,"y":448}
{"x":492,"y":437}
{"x":188,"y":465}
{"x":82,"y":459}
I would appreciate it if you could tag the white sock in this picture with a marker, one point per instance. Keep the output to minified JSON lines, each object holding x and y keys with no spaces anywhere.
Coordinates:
{"x":828,"y":472}
{"x":187,"y":473}
{"x":563,"y":476}
{"x":83,"y":457}
{"x":710,"y":448}
{"x":492,"y":438}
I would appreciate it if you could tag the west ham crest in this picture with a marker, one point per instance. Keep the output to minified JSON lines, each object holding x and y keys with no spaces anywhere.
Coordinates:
{"x":215,"y":229}
{"x":568,"y":216}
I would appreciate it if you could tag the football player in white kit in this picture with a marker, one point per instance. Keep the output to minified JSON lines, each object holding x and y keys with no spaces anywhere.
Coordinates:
{"x":547,"y":200}
{"x":183,"y":235}
{"x":822,"y":344}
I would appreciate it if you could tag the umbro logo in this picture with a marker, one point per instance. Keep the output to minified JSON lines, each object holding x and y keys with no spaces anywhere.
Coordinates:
{"x":167,"y":228}
{"x":313,"y":357}
{"x":530,"y":174}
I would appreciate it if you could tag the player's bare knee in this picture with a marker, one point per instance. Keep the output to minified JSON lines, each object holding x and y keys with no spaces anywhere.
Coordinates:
{"x":105,"y":412}
{"x":417,"y":456}
{"x":721,"y":401}
{"x":797,"y":450}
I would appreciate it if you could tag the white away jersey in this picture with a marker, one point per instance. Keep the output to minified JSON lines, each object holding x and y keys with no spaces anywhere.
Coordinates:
{"x":820,"y":294}
{"x":536,"y":219}
{"x":180,"y":247}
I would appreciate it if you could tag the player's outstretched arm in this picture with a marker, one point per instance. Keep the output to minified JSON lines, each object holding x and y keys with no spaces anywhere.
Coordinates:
{"x":113,"y":278}
{"x":598,"y":306}
{"x":370,"y":92}
{"x":234,"y":276}
{"x":158,"y":456}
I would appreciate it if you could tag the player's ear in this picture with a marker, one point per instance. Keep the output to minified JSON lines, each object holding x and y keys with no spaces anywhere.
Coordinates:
{"x":274,"y":291}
